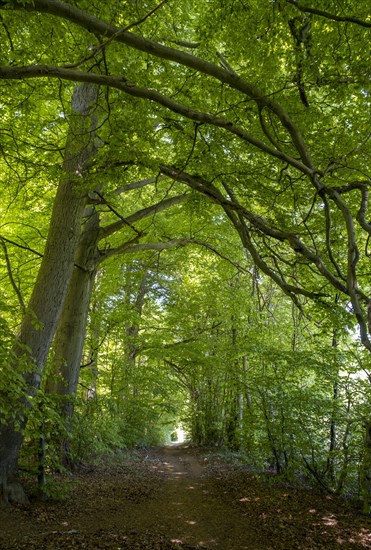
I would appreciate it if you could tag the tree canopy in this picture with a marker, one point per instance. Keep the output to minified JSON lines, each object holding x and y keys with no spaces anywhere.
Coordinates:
{"x":185,"y":211}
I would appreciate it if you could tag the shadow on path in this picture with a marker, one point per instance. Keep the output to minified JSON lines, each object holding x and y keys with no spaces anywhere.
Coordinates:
{"x":178,"y":497}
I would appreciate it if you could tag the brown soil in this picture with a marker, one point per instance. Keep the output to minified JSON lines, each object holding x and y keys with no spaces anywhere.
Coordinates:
{"x":181,"y":498}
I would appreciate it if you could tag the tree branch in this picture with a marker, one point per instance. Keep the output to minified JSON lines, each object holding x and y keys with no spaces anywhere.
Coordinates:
{"x":124,"y":221}
{"x":145,"y":17}
{"x":93,"y":24}
{"x":103,"y":45}
{"x":185,"y":43}
{"x":21,"y":246}
{"x":129,"y":247}
{"x":40,"y":71}
{"x":328,"y":239}
{"x":140,"y":214}
{"x":295,"y":243}
{"x":218,"y":253}
{"x":135,"y":185}
{"x":10,"y":273}
{"x":327,"y":15}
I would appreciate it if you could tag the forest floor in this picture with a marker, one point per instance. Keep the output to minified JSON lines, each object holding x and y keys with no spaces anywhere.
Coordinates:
{"x":180,"y":497}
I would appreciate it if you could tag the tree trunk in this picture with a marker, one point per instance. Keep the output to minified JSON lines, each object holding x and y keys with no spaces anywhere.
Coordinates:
{"x":345,"y":448}
{"x":131,"y":344}
{"x":70,"y":334}
{"x":41,"y":318}
{"x":366,"y":469}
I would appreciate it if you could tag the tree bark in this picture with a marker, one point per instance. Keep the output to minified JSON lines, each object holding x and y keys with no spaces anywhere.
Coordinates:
{"x":70,"y":334}
{"x":41,"y":318}
{"x":366,"y":469}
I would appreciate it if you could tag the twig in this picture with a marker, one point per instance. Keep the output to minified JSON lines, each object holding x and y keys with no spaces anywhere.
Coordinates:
{"x":10,"y":273}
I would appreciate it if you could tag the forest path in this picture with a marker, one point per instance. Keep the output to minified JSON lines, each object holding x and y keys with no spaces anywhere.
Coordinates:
{"x":189,"y":507}
{"x":179,"y":497}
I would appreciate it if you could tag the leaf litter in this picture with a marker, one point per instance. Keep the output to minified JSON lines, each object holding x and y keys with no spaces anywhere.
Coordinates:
{"x":181,"y":497}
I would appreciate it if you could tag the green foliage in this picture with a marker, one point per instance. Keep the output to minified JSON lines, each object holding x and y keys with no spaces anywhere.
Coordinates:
{"x":58,"y":488}
{"x":94,"y":431}
{"x":200,"y":333}
{"x":12,"y":380}
{"x":41,"y":452}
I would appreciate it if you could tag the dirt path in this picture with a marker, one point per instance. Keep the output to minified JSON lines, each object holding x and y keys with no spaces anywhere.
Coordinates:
{"x":180,"y":498}
{"x":189,"y":508}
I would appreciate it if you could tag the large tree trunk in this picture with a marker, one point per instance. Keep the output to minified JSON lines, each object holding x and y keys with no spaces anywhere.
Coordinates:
{"x":70,"y":334}
{"x":41,"y":318}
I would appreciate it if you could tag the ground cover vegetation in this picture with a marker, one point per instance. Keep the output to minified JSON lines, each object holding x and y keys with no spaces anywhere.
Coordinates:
{"x":185,"y":234}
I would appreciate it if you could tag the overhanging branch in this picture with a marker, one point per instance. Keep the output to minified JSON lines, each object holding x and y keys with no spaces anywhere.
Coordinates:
{"x":119,"y":83}
{"x":141,"y":214}
{"x":327,"y":15}
{"x":99,"y":27}
{"x":261,"y":225}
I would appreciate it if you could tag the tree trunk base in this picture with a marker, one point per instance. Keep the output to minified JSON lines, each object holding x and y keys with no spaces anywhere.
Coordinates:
{"x":13,"y":493}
